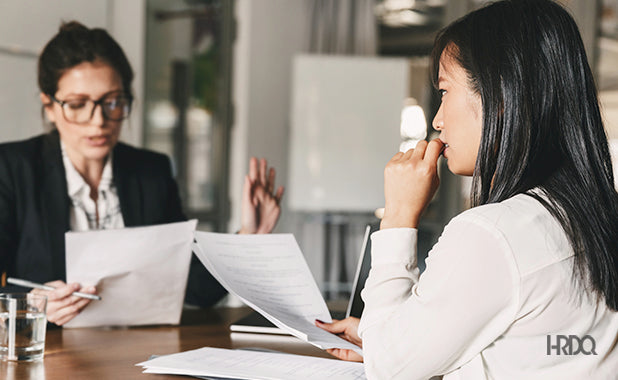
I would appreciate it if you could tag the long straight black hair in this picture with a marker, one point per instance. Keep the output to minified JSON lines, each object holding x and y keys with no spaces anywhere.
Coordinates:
{"x":542,"y":127}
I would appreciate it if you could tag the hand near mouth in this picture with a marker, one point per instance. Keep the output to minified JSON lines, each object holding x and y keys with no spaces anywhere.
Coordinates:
{"x":410,"y":182}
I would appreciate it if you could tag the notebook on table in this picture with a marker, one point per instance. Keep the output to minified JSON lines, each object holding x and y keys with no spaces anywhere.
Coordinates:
{"x":256,"y":323}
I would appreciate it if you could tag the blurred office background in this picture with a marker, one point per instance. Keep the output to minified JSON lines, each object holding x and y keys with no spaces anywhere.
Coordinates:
{"x":219,"y":81}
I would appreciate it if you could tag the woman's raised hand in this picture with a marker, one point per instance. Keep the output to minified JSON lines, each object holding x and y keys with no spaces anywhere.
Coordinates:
{"x":410,"y":182}
{"x":260,"y":203}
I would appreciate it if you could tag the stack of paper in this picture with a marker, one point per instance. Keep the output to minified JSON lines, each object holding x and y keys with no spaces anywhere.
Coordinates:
{"x":269,"y":273}
{"x":239,"y":364}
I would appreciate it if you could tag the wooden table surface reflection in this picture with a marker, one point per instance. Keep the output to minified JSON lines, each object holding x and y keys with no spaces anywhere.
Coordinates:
{"x":111,"y":353}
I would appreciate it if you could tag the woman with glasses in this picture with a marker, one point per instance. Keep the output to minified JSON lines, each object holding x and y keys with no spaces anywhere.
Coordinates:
{"x":80,"y":177}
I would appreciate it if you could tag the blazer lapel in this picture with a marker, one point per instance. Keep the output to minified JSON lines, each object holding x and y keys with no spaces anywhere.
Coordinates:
{"x":128,"y":186}
{"x":54,"y":201}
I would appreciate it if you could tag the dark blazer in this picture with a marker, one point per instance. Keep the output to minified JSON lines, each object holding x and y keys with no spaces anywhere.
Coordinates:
{"x":34,"y":209}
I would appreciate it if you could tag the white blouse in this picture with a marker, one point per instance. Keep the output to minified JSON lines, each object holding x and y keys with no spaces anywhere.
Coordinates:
{"x":497,"y":293}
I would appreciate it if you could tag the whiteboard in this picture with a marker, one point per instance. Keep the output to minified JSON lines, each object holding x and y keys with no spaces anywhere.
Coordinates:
{"x":345,"y":116}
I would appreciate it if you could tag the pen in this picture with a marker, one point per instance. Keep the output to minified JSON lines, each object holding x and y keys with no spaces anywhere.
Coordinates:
{"x":30,"y":284}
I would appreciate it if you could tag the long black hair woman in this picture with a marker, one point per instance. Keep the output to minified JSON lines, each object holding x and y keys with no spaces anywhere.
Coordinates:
{"x":525,"y":284}
{"x":80,"y":177}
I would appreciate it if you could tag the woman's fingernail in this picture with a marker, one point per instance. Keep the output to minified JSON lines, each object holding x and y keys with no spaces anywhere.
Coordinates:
{"x":320,"y":322}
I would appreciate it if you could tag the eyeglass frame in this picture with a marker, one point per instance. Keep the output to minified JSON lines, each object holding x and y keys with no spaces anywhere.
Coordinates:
{"x":98,"y":102}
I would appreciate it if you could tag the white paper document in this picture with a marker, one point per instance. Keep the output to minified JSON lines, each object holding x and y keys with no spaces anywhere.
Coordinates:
{"x":140,"y":273}
{"x":269,"y":273}
{"x":240,"y":364}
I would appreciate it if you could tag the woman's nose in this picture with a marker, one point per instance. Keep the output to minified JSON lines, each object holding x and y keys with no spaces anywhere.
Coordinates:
{"x":438,"y":121}
{"x":97,"y":115}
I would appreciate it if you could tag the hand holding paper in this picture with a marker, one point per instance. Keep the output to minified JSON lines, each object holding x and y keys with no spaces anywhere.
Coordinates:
{"x":140,"y":273}
{"x":269,"y":273}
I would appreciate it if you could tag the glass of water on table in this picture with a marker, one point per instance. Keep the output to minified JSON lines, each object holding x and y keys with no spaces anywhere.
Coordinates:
{"x":22,"y":326}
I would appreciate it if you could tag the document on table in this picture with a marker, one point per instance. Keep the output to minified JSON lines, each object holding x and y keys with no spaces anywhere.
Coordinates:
{"x":140,"y":273}
{"x":240,"y":364}
{"x":269,"y":273}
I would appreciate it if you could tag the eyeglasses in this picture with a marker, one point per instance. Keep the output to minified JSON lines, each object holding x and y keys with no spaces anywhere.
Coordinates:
{"x":114,"y":106}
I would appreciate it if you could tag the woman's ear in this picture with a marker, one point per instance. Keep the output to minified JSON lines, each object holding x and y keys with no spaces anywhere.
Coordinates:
{"x":48,"y":105}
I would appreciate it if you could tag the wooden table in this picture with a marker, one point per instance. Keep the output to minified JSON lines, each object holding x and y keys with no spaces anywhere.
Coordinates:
{"x":111,"y":353}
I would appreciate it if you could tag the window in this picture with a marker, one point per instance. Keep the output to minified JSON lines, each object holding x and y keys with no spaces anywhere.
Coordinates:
{"x":187,"y":100}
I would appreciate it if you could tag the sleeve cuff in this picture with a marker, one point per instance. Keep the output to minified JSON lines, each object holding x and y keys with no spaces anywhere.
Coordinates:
{"x":394,"y":245}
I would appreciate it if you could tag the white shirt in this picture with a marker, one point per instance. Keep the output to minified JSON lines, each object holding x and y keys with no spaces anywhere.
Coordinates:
{"x":83,"y":211}
{"x":497,"y":283}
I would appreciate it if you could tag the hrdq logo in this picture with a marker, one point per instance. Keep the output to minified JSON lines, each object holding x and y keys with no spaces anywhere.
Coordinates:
{"x":571,"y":345}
